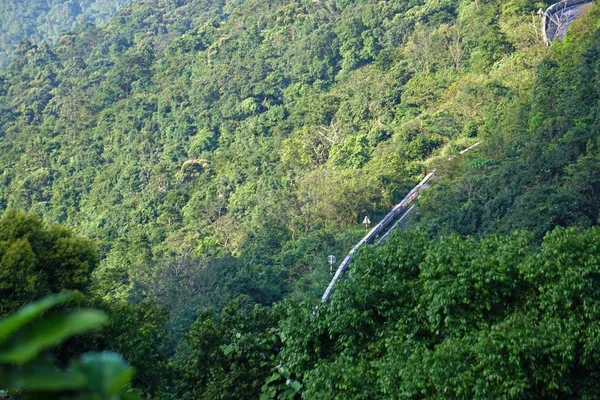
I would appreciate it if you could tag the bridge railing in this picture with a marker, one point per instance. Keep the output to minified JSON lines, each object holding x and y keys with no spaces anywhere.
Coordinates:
{"x":382,"y":229}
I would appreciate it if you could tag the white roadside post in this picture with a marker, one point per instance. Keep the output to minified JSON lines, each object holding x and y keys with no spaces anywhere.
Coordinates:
{"x":331,"y":259}
{"x":366,"y":222}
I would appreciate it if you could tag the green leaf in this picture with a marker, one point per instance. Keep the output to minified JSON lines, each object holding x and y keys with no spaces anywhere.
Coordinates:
{"x":107,"y":372}
{"x":284,"y":372}
{"x":11,"y":323}
{"x":46,"y":378}
{"x":49,"y":333}
{"x":227,"y":349}
{"x":296,"y":385}
{"x":273,"y":377}
{"x":264,"y":396}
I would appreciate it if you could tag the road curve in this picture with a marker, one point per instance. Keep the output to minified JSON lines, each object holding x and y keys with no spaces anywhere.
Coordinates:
{"x":559,"y":16}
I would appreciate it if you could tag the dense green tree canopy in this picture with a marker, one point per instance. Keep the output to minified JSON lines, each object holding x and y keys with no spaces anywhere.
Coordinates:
{"x":217,"y":151}
{"x":493,"y":318}
{"x":45,"y":20}
{"x":200,"y":130}
{"x":36,"y":260}
{"x":540,"y":167}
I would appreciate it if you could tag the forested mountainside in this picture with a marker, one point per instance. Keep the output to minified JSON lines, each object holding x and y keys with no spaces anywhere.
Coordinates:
{"x":215,"y":152}
{"x":43,"y":21}
{"x":191,"y":132}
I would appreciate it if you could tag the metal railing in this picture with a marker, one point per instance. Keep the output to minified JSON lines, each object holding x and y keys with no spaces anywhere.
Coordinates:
{"x":553,"y":15}
{"x":381,"y":230}
{"x":393,"y":218}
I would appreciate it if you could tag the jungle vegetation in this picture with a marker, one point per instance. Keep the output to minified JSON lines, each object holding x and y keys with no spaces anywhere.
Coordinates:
{"x":44,"y":21}
{"x":188,"y":166}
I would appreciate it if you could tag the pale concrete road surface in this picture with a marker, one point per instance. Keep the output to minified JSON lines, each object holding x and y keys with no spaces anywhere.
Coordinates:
{"x":559,"y":23}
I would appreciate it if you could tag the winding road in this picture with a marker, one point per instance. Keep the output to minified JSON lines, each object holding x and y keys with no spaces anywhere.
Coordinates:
{"x":555,"y":23}
{"x":393,"y":220}
{"x":381,"y":230}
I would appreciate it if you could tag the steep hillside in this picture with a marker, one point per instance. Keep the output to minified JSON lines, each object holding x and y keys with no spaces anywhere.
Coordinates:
{"x":194,"y":129}
{"x":540,"y":168}
{"x":45,"y":20}
{"x":218,"y":151}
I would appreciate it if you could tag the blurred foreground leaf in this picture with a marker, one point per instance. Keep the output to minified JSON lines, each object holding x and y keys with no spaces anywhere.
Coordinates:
{"x":50,"y":332}
{"x":12,"y":323}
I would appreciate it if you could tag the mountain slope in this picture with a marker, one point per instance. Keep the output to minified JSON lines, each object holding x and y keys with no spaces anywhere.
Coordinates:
{"x":220,"y":150}
{"x":253,"y":129}
{"x":45,"y":21}
{"x":540,"y":168}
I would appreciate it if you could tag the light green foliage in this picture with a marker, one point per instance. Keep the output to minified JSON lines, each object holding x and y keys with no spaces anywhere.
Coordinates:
{"x":539,"y":166}
{"x":13,"y":322}
{"x":24,"y":336}
{"x":353,"y":152}
{"x":51,"y":331}
{"x":243,"y":126}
